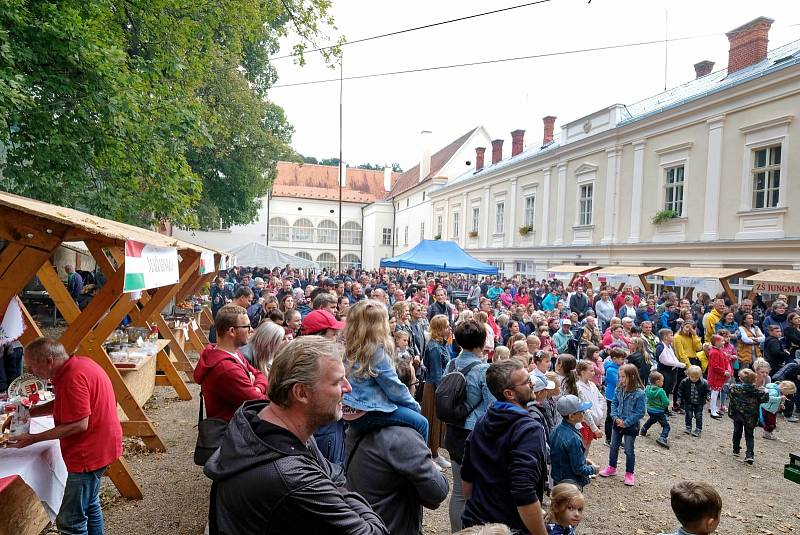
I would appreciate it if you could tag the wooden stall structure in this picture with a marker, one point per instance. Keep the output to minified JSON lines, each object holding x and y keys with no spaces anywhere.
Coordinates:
{"x":775,"y":281}
{"x":641,"y":272}
{"x":690,"y":276}
{"x":32,"y":230}
{"x":572,"y":270}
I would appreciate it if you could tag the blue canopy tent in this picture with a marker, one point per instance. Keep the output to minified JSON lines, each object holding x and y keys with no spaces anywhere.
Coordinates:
{"x":439,"y":256}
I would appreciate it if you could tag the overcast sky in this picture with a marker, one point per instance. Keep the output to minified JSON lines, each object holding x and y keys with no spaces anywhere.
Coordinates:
{"x":383,"y":116}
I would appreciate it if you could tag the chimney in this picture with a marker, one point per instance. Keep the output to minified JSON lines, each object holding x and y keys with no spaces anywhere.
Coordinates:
{"x":517,"y":137}
{"x":748,"y":44}
{"x":479,"y":158}
{"x":387,"y":178}
{"x":425,"y":155}
{"x":497,"y":150}
{"x":703,"y":68}
{"x":549,"y":122}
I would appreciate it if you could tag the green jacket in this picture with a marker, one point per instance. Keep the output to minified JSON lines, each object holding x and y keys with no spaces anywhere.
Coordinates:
{"x":657,"y":400}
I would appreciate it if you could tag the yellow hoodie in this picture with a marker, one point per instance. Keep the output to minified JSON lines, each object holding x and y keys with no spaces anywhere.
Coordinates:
{"x":686,"y":347}
{"x":710,"y":324}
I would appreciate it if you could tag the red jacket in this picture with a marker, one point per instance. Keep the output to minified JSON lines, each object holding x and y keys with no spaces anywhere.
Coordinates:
{"x":620,"y":300}
{"x":718,"y":364}
{"x":226,"y":382}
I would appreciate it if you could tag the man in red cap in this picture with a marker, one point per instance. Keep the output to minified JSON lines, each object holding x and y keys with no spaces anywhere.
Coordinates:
{"x":322,"y":323}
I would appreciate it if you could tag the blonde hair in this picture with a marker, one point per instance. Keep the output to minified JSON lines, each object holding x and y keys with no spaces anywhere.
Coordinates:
{"x":761,"y":363}
{"x":464,"y":315}
{"x":560,"y":497}
{"x":787,"y":387}
{"x":265,"y":343}
{"x":501,"y":353}
{"x":633,"y":380}
{"x":694,"y":370}
{"x":366,"y":332}
{"x":513,"y":339}
{"x":637,"y":342}
{"x":520,"y":346}
{"x":438,"y":327}
{"x":482,"y":318}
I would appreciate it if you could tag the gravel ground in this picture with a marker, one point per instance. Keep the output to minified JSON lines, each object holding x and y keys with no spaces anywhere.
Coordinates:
{"x":755,"y":498}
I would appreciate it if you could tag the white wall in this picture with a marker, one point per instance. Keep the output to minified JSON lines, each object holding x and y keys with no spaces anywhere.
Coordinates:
{"x":377,"y":216}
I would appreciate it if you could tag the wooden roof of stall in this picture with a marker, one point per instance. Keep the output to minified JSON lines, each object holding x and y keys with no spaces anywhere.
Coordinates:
{"x":787,"y":276}
{"x":570,"y":268}
{"x":635,"y":271}
{"x":704,"y":273}
{"x":83,"y":226}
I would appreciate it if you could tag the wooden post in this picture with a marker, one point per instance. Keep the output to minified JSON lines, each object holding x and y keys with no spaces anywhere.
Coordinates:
{"x":645,"y":284}
{"x":728,"y":290}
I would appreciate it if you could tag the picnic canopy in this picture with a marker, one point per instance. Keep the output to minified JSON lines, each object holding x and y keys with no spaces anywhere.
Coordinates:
{"x":440,"y":256}
{"x":256,"y":254}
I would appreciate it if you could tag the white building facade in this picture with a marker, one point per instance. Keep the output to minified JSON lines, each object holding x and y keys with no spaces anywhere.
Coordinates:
{"x":713,"y":161}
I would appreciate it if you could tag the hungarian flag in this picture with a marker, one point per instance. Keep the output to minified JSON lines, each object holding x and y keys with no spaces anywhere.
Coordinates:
{"x":206,"y":262}
{"x":149,"y":266}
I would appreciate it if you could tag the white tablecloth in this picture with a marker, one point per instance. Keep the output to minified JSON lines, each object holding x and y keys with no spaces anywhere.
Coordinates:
{"x":40,"y":466}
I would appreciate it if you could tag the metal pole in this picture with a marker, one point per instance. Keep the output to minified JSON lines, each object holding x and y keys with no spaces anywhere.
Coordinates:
{"x":342,"y":169}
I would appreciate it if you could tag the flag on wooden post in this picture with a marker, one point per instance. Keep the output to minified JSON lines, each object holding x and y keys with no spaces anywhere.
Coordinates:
{"x":149,"y":266}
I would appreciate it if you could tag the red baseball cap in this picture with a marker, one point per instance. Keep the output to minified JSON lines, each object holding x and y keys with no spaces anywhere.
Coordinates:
{"x":319,"y":320}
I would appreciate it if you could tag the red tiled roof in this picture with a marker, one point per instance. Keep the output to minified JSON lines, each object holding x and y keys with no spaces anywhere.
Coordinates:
{"x":309,"y":181}
{"x":410,"y":178}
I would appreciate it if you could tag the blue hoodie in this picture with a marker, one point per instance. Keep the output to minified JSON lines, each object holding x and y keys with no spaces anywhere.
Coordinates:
{"x":612,"y":374}
{"x":504,"y":459}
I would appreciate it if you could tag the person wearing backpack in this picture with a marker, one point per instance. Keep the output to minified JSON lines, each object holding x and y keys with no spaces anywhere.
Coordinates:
{"x":463,"y":392}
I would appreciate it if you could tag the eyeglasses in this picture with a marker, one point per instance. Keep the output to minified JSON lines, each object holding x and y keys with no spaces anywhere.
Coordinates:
{"x":242,"y":326}
{"x":529,"y":382}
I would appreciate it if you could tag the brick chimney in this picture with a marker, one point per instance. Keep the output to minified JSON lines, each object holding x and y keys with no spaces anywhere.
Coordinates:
{"x":497,"y":150}
{"x":479,"y":158}
{"x":703,"y":68}
{"x":748,"y":44}
{"x":517,"y":137}
{"x":549,"y":123}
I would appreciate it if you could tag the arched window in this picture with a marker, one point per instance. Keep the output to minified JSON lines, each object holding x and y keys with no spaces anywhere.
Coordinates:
{"x":327,"y":261}
{"x":278,"y":229}
{"x":302,"y":254}
{"x":350,"y":261}
{"x":351,"y":233}
{"x":327,"y":232}
{"x":302,"y":230}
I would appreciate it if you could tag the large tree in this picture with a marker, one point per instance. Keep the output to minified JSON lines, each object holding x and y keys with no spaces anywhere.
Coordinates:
{"x":147,"y":110}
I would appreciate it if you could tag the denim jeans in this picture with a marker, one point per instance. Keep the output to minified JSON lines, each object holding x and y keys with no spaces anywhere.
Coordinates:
{"x":330,"y":441}
{"x":457,"y":502}
{"x":617,"y":439}
{"x":80,"y":512}
{"x":749,"y":441}
{"x":696,"y":411}
{"x":657,"y":418}
{"x":10,"y":366}
{"x":402,"y":416}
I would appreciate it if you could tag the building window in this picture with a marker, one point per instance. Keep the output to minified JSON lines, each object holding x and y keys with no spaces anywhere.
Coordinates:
{"x":585,"y":204}
{"x":456,"y":224}
{"x":351,"y":261}
{"x":422,"y":231}
{"x":407,"y":202}
{"x":387,"y":236}
{"x":525,"y":268}
{"x":673,"y":189}
{"x":423,"y":196}
{"x":530,"y":204}
{"x":304,"y":255}
{"x":405,"y":241}
{"x":278,"y":229}
{"x":397,"y":235}
{"x":302,"y":230}
{"x":351,"y":233}
{"x":327,"y":232}
{"x":439,"y":225}
{"x":499,"y":217}
{"x":766,"y":176}
{"x":327,"y":261}
{"x":476,"y":217}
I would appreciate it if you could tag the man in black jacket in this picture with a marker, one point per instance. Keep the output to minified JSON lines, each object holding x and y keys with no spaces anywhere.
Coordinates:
{"x":505,"y":464}
{"x":440,"y":306}
{"x":579,"y":303}
{"x":268,"y":475}
{"x":774,"y":351}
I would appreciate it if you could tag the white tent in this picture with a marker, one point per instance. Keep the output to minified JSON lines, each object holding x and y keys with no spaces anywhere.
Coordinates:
{"x":255,"y":254}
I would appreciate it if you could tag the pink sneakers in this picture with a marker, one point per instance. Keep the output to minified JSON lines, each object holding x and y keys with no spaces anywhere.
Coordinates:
{"x":629,"y":479}
{"x":608,"y":471}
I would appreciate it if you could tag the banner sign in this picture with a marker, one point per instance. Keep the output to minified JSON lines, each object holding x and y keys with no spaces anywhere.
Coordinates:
{"x":149,"y":266}
{"x":614,"y":280}
{"x":206,"y":262}
{"x":685,"y":282}
{"x":788,"y":288}
{"x":13,"y":325}
{"x":553,"y":275}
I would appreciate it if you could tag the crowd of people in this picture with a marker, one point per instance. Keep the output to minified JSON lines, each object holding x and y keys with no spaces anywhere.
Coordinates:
{"x":514,"y":379}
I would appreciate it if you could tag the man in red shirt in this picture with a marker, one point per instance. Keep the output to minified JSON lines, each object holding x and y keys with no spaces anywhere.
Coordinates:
{"x":226,"y":378}
{"x":86,"y":424}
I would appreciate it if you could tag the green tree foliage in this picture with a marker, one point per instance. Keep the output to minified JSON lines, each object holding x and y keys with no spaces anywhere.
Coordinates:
{"x":147,"y":110}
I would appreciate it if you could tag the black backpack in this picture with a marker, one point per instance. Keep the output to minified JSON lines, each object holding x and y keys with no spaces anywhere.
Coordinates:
{"x":451,"y":396}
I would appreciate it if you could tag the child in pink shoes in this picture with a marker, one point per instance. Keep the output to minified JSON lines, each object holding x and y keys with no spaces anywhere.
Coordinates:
{"x":626,"y":411}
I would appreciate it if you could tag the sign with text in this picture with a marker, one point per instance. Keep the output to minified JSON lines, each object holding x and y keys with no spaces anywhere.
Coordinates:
{"x":206,"y":262}
{"x":684,"y":282}
{"x":149,"y":266}
{"x":788,"y":288}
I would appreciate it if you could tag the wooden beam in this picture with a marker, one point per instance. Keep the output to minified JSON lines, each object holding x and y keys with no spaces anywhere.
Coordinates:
{"x":188,"y":268}
{"x":58,"y":292}
{"x":120,"y":474}
{"x":21,"y":267}
{"x":137,"y":429}
{"x":172,"y":376}
{"x":30,"y":230}
{"x":645,"y":284}
{"x":728,"y":290}
{"x":32,"y":332}
{"x":9,"y":254}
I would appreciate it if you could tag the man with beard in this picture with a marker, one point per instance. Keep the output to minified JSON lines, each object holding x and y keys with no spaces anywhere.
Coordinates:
{"x":268,"y":475}
{"x":505,"y":466}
